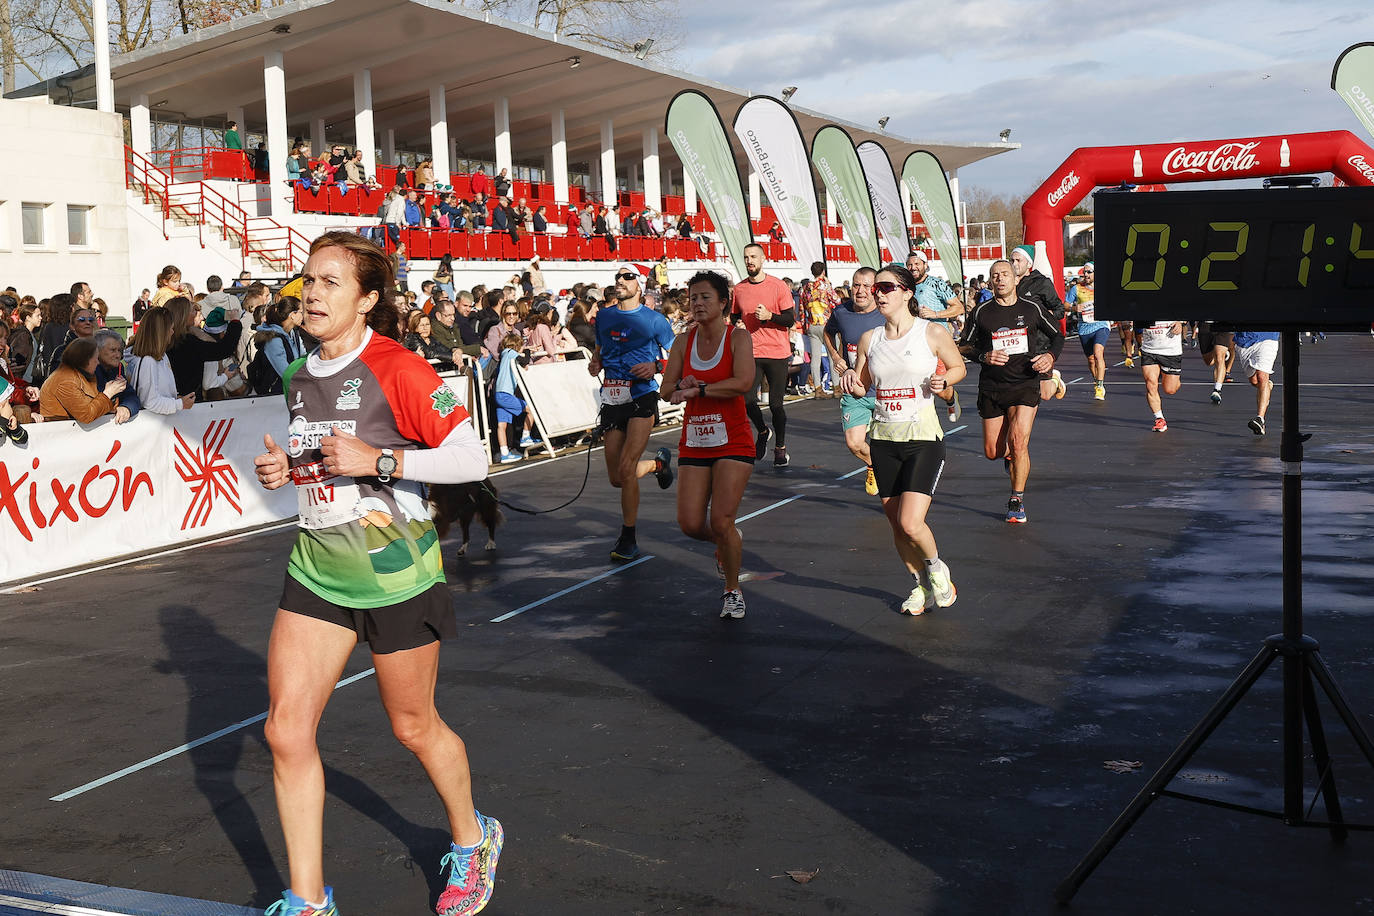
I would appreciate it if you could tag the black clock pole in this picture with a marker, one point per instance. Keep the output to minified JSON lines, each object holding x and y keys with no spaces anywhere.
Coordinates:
{"x":1303,"y":672}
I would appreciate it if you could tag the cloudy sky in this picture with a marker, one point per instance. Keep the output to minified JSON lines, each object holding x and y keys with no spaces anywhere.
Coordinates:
{"x":1060,"y":73}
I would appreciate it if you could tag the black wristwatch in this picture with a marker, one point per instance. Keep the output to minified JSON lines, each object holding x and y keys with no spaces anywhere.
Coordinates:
{"x":701,"y":389}
{"x":386,"y":465}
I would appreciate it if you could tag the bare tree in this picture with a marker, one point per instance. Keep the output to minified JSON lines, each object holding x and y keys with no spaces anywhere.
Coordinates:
{"x":47,"y":37}
{"x":985,"y":206}
{"x":616,"y":25}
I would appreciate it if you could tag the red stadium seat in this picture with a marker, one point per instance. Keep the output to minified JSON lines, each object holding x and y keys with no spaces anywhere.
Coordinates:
{"x":543,"y":245}
{"x":525,"y":247}
{"x":597,"y":250}
{"x":458,"y":245}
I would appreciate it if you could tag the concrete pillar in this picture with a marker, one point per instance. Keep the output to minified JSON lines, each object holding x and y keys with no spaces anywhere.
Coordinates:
{"x":632,"y":177}
{"x":363,"y":129}
{"x":593,"y":177}
{"x":560,"y":157}
{"x":653,"y":188}
{"x":278,"y":140}
{"x":503,"y":150}
{"x":141,"y":126}
{"x":689,"y":192}
{"x":954,"y":193}
{"x":453,"y":166}
{"x":318,"y":141}
{"x":608,"y":191}
{"x":438,"y":135}
{"x":389,"y":146}
{"x":236,"y":115}
{"x":104,"y":84}
{"x":755,"y":195}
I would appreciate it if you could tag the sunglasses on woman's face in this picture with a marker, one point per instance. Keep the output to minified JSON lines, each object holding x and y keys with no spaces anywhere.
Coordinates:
{"x":887,"y":286}
{"x":508,"y":314}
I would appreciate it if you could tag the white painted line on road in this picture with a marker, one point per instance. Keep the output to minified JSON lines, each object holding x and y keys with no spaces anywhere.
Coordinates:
{"x":777,"y":505}
{"x":143,"y":558}
{"x":571,"y":588}
{"x":190,"y":745}
{"x":56,"y":909}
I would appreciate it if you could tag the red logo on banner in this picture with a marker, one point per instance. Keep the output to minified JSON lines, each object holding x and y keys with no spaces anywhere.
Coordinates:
{"x":207,"y":472}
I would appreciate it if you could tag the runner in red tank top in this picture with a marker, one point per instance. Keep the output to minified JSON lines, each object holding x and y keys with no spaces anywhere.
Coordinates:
{"x":710,"y":370}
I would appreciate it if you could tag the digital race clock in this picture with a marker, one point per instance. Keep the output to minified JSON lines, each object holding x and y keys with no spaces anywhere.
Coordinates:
{"x":1290,"y":257}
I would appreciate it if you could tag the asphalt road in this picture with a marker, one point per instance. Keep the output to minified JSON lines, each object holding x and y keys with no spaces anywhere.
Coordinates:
{"x":648,"y":757}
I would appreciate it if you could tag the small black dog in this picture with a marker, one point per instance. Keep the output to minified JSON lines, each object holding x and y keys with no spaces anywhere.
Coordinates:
{"x":461,"y":503}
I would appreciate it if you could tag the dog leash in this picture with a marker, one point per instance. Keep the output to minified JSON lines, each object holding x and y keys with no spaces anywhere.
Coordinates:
{"x":596,"y":436}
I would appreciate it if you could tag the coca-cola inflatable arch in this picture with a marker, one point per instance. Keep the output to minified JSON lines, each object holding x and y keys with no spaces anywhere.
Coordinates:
{"x":1336,"y":151}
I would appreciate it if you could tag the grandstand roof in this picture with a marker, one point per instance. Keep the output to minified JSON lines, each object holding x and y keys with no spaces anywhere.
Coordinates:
{"x":410,"y":45}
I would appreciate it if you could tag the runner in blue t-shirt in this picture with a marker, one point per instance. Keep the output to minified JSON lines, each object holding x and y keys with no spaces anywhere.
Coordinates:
{"x":1092,"y":334}
{"x":631,"y":339}
{"x":848,"y":323}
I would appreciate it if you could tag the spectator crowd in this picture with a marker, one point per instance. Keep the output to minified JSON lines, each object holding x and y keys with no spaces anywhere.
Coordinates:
{"x":60,"y":359}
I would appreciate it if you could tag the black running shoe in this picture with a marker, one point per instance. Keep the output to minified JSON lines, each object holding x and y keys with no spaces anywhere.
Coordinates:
{"x":761,"y":443}
{"x":664,"y":457}
{"x":780,"y":457}
{"x":1257,"y":426}
{"x":625,"y":551}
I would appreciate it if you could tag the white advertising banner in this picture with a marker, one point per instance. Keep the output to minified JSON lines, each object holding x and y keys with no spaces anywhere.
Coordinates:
{"x":887,"y":200}
{"x":77,"y":495}
{"x":773,"y":142}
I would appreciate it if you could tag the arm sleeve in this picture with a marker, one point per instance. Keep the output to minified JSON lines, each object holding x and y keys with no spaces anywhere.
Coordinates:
{"x":460,"y":458}
{"x":786,"y":318}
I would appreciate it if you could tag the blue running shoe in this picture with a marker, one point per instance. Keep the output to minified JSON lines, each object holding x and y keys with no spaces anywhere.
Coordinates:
{"x":1016,"y":511}
{"x":473,"y":872}
{"x":291,"y":905}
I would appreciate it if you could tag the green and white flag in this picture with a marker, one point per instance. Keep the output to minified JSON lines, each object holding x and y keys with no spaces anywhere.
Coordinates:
{"x":697,"y":133}
{"x":924,"y":177}
{"x":1353,"y":80}
{"x":772,"y":140}
{"x":833,"y":154}
{"x":887,"y":199}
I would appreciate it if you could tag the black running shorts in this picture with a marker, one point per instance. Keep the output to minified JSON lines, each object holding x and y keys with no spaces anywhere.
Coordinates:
{"x":1167,"y":363}
{"x":994,"y":398}
{"x":907,"y":467}
{"x":618,"y":416}
{"x":412,"y":623}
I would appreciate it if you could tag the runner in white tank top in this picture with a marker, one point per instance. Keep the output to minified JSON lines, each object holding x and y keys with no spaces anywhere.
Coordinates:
{"x":900,"y":361}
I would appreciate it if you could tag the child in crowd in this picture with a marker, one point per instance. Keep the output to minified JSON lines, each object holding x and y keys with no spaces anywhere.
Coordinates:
{"x":9,"y":423}
{"x":508,"y":405}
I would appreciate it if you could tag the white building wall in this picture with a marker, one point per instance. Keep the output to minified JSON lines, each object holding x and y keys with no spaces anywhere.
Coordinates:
{"x":60,"y":157}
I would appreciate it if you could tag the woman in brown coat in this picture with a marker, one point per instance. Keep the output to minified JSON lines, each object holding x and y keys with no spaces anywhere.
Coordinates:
{"x":70,"y":393}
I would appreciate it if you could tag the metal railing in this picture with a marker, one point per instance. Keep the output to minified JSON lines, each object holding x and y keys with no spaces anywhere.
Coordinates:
{"x":199,"y":204}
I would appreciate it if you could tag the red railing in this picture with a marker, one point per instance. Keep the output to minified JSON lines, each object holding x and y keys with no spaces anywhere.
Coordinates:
{"x":205,"y":163}
{"x":200,"y":204}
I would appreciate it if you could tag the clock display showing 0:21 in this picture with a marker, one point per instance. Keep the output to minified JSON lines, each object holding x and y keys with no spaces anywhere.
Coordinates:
{"x":1221,"y":255}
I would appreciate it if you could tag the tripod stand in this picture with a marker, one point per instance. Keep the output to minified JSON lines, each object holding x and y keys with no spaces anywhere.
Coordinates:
{"x":1303,"y":672}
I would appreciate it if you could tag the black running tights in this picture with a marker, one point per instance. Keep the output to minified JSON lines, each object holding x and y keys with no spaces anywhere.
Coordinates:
{"x":775,"y":370}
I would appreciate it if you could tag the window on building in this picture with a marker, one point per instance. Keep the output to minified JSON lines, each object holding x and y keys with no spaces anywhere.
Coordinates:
{"x":78,"y":226}
{"x":33,"y":223}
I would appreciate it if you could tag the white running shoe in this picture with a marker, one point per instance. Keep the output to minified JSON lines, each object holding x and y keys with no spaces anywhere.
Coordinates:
{"x":941,"y":587}
{"x":915,"y":604}
{"x":732,"y":604}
